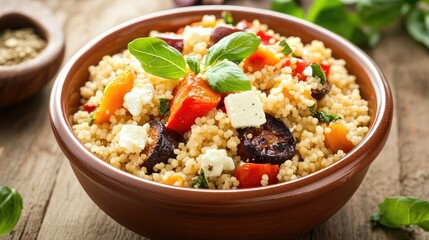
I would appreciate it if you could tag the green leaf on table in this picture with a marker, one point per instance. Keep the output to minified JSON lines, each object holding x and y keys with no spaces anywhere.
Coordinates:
{"x":10,"y":209}
{"x":333,"y":15}
{"x":417,"y":24}
{"x":158,"y":58}
{"x":288,"y":7}
{"x":396,"y":212}
{"x":379,"y":13}
{"x":226,"y":76}
{"x":234,"y":47}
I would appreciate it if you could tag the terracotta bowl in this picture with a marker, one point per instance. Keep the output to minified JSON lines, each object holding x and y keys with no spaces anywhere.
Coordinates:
{"x":158,"y":211}
{"x":23,"y":80}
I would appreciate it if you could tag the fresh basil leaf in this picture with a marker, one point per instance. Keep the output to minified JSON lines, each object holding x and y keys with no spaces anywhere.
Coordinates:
{"x":286,"y":48}
{"x":194,"y":64}
{"x":234,"y":47}
{"x":379,"y":13}
{"x":226,"y":76}
{"x":333,"y":15}
{"x":158,"y":58}
{"x":318,"y":72}
{"x":201,"y":181}
{"x":163,"y":106}
{"x":227,"y":17}
{"x":323,"y":116}
{"x":417,"y":24}
{"x":288,"y":7}
{"x":396,"y":212}
{"x":10,"y":209}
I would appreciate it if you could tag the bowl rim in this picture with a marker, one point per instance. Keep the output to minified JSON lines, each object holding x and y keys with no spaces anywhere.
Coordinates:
{"x":349,"y":163}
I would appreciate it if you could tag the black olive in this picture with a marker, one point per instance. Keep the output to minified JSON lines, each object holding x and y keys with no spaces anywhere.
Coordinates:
{"x":176,"y":42}
{"x":162,"y":148}
{"x":272,"y":142}
{"x":220,"y":32}
{"x":318,"y":94}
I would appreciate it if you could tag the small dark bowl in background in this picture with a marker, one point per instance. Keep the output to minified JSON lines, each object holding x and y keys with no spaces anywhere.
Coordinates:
{"x":23,"y":80}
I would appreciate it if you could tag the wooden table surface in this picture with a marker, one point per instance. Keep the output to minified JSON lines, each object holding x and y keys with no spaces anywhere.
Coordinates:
{"x":56,"y":207}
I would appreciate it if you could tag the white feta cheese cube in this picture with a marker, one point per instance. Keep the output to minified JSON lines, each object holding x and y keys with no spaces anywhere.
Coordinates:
{"x":244,"y":109}
{"x":137,"y":97}
{"x":215,"y":161}
{"x":308,"y":71}
{"x":133,"y":138}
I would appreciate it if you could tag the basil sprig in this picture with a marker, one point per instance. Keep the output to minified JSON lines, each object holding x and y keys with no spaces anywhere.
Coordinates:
{"x":10,"y":209}
{"x":226,"y":76}
{"x":396,"y":212}
{"x":234,"y":47}
{"x":158,"y":58}
{"x":223,"y":75}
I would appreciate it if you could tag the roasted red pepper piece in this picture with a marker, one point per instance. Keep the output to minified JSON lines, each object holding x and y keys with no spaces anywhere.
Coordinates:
{"x":265,"y":38}
{"x":250,"y":174}
{"x":193,"y":98}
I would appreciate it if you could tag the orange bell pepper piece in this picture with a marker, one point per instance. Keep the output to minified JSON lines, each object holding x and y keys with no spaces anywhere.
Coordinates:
{"x":336,"y":139}
{"x":193,"y":98}
{"x":113,"y":97}
{"x":259,"y":59}
{"x":174,"y":180}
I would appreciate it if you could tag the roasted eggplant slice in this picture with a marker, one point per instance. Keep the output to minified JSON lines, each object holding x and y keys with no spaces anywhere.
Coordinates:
{"x":174,"y":41}
{"x":318,"y":94}
{"x":162,"y":148}
{"x":271,"y":143}
{"x":220,"y":32}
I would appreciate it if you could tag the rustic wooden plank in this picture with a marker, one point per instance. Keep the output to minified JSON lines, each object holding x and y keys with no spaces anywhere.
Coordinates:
{"x":29,"y":160}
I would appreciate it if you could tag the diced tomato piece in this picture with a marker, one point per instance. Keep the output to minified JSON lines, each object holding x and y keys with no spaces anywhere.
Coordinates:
{"x":89,"y":107}
{"x":265,"y":38}
{"x":259,"y":59}
{"x":193,"y":98}
{"x":250,"y":174}
{"x":326,"y":68}
{"x":301,"y":65}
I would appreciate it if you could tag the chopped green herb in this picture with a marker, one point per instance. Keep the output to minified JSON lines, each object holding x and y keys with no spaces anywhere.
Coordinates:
{"x":91,"y":120}
{"x":227,"y":17}
{"x":226,"y":76}
{"x":10,"y":209}
{"x":201,"y":181}
{"x":323,"y":116}
{"x":194,"y":64}
{"x":286,"y":48}
{"x":163,"y":106}
{"x":396,"y":212}
{"x":318,"y":72}
{"x":234,"y":47}
{"x":158,"y":58}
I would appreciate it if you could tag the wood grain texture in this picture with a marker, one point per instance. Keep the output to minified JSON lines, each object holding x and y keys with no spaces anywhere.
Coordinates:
{"x":56,"y":207}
